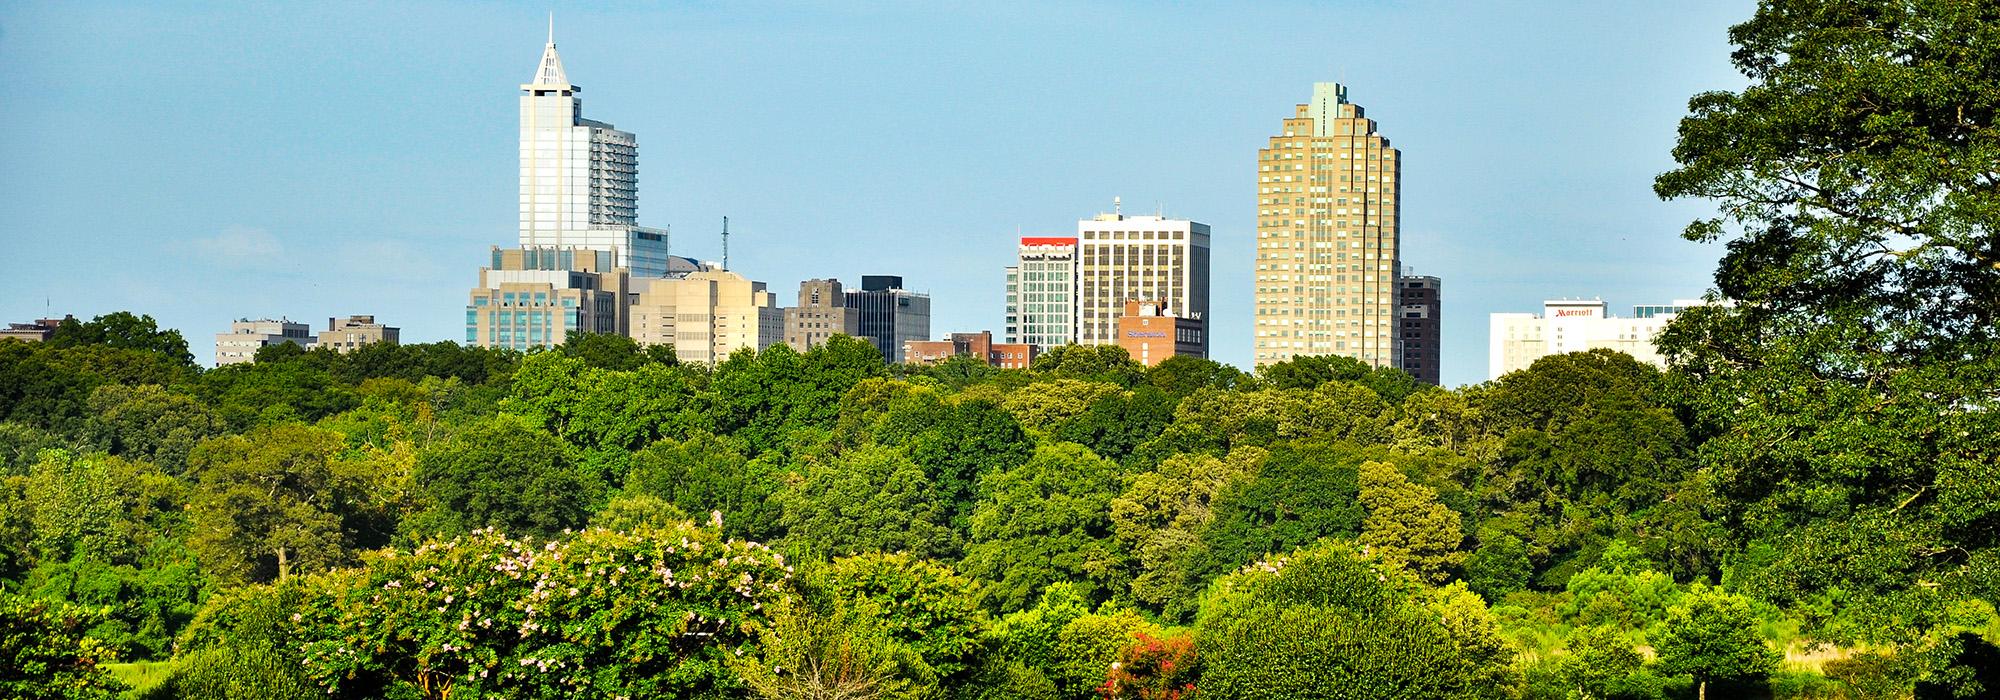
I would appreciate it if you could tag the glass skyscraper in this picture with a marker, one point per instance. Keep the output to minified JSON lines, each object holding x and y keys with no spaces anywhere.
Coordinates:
{"x":579,"y":177}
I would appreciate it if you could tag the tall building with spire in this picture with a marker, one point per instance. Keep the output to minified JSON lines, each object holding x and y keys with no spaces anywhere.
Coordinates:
{"x":1329,"y":212}
{"x":580,"y":177}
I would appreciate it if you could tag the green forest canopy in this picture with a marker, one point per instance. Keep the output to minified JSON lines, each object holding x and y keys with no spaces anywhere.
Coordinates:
{"x":1805,"y":504}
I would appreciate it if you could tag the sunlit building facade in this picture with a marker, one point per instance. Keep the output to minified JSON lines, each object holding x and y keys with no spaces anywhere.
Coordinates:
{"x":1328,"y":231}
{"x":580,"y":177}
{"x":1122,"y":258}
{"x":1041,"y":292}
{"x":1516,"y":340}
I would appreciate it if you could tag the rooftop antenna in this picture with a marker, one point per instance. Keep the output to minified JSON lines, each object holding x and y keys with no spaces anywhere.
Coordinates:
{"x":1117,"y":207}
{"x":725,"y":243}
{"x":552,"y":27}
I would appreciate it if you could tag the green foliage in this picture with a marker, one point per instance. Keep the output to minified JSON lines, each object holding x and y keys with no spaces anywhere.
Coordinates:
{"x":1045,"y":521}
{"x":143,"y":607}
{"x":1964,"y":665}
{"x":1847,"y":394}
{"x":1602,"y":663}
{"x":1312,"y":371}
{"x":1116,"y":425}
{"x":44,"y":652}
{"x":486,"y":614}
{"x":505,"y":474}
{"x":614,"y":351}
{"x":1625,"y":593}
{"x":1161,"y":517}
{"x":143,"y":679}
{"x":1182,"y":375}
{"x":76,"y":509}
{"x":125,"y":331}
{"x":1327,"y":622}
{"x":872,"y":499}
{"x":149,"y":423}
{"x":262,"y":393}
{"x":1028,"y":638}
{"x":596,"y":408}
{"x":1050,"y":405}
{"x":628,"y":512}
{"x":1296,"y":497}
{"x":706,"y":473}
{"x":1407,"y":524}
{"x":1088,"y":646}
{"x":1498,"y":567}
{"x":957,"y":443}
{"x":918,"y":603}
{"x":1712,"y":636}
{"x":1091,"y":363}
{"x":759,"y":396}
{"x":1871,"y":675}
{"x":253,"y":673}
{"x":806,"y":656}
{"x":274,"y":500}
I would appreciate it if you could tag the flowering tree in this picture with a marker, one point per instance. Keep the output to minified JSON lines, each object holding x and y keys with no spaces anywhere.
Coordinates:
{"x":1153,"y":668}
{"x":656,"y":613}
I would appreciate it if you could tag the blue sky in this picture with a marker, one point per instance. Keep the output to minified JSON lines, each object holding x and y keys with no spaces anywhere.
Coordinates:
{"x":206,"y":161}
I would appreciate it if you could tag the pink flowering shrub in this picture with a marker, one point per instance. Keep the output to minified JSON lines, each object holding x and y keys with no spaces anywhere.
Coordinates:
{"x":655,"y":613}
{"x":1153,"y":668}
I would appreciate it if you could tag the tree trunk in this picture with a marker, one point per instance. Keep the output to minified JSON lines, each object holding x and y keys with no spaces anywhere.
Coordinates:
{"x":284,"y":565}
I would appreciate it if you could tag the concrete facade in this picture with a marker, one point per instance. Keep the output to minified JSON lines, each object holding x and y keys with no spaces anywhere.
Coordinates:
{"x":1329,"y":212}
{"x":247,"y":336}
{"x":1123,"y":258}
{"x":536,"y":297}
{"x":707,"y":315}
{"x":346,"y":334}
{"x":821,"y":313}
{"x":1516,"y":340}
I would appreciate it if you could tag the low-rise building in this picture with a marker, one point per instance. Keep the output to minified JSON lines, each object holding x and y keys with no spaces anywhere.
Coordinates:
{"x":1516,"y":340}
{"x":247,"y":336}
{"x":707,"y":315}
{"x":35,"y":332}
{"x":821,"y":314}
{"x":1151,"y":334}
{"x":535,"y":297}
{"x":346,"y":334}
{"x":978,"y":344}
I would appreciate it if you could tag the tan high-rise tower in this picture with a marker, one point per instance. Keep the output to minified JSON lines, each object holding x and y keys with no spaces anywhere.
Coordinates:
{"x":1328,"y":211}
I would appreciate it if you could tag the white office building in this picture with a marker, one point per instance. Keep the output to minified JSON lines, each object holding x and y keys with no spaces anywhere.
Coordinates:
{"x":1516,"y":340}
{"x":580,"y":178}
{"x":1124,"y":258}
{"x":1041,"y":292}
{"x":247,"y":336}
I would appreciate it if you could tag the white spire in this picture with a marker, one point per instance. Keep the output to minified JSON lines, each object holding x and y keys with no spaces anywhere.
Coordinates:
{"x":551,"y":70}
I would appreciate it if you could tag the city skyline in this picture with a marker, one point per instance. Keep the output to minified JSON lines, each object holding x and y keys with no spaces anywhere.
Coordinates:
{"x":276,"y":221}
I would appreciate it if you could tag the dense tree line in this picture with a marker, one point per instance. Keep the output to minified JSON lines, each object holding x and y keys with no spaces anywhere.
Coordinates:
{"x":1805,"y":505}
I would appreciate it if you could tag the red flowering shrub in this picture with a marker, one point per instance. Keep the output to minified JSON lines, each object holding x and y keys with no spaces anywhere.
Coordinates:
{"x":1153,"y":668}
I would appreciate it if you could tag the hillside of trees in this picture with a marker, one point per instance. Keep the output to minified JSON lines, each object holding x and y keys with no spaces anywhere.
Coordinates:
{"x":1805,"y":505}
